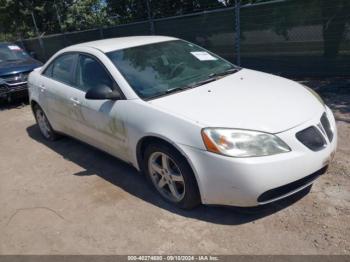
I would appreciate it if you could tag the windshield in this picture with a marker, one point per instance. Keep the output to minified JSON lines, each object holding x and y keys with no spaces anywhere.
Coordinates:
{"x":12,"y":53}
{"x":154,"y":69}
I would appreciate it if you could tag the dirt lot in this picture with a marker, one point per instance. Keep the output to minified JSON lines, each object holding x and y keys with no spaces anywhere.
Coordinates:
{"x":67,"y":198}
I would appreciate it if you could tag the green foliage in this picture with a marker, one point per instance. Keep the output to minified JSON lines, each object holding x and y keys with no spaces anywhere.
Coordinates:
{"x":57,"y":16}
{"x":87,"y":14}
{"x":125,"y":11}
{"x":16,"y":17}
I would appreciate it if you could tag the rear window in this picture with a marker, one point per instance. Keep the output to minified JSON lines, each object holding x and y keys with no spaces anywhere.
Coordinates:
{"x":12,"y":53}
{"x":61,"y":68}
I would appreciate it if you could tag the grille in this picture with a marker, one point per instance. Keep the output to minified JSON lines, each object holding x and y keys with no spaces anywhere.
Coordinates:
{"x":327,"y":127}
{"x":15,"y":79}
{"x":17,"y":88}
{"x":312,"y":138}
{"x":283,"y":190}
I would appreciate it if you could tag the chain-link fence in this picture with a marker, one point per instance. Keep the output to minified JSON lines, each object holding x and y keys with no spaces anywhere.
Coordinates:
{"x":287,"y":37}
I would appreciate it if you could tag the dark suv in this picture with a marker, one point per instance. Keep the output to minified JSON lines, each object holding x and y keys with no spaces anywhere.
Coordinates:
{"x":15,"y":66}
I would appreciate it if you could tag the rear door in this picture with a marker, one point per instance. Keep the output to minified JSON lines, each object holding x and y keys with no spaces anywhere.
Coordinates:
{"x":57,"y":88}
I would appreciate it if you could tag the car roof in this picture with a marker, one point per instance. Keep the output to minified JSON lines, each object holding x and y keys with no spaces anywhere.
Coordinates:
{"x":112,"y":44}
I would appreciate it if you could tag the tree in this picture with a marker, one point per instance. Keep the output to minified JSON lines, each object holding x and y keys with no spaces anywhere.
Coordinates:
{"x":125,"y":11}
{"x":57,"y":16}
{"x":86,"y":14}
{"x":136,"y":10}
{"x":17,"y":16}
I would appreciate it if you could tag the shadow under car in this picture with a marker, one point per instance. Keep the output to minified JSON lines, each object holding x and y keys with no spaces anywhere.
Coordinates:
{"x":122,"y":175}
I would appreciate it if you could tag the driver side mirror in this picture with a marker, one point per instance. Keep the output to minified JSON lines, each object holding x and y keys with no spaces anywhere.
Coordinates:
{"x":102,"y":92}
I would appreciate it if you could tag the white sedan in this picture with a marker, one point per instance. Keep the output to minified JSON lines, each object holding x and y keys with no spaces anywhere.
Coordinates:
{"x":200,"y":128}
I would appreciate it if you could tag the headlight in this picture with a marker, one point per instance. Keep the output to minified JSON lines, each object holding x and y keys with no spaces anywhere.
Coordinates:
{"x":24,"y":77}
{"x":317,"y":96}
{"x":242,"y":143}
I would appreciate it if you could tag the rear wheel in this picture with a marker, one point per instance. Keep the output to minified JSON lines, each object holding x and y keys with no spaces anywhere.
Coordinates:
{"x":171,"y":176}
{"x":44,"y":125}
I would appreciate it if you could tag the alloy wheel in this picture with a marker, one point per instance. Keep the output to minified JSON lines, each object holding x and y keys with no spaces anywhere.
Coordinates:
{"x":43,"y":123}
{"x":166,"y":176}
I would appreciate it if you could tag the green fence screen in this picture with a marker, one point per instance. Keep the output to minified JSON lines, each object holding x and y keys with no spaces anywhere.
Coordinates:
{"x":292,"y":38}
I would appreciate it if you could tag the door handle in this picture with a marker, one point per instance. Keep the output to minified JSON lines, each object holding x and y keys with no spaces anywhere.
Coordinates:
{"x":42,"y":88}
{"x":75,"y":101}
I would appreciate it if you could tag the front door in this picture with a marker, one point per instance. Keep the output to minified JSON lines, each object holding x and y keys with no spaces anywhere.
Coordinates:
{"x":98,"y":122}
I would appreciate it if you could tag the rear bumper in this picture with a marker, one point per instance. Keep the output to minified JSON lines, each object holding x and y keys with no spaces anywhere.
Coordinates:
{"x":259,"y":180}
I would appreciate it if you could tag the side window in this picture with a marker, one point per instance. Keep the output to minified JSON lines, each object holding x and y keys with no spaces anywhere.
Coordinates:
{"x":62,"y":68}
{"x":90,"y":73}
{"x":48,"y":71}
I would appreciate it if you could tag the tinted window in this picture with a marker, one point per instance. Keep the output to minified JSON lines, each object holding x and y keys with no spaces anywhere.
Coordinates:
{"x":154,"y":69}
{"x":90,"y":73}
{"x":12,"y":52}
{"x":62,"y":68}
{"x":48,"y":70}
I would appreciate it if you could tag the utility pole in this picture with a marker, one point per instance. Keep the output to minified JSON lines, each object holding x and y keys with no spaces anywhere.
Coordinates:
{"x":60,"y":23}
{"x":150,"y":18}
{"x":238,"y":31}
{"x":58,"y":16}
{"x":35,"y":26}
{"x":41,"y":43}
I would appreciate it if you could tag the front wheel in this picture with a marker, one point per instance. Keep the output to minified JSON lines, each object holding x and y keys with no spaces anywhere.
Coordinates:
{"x":44,"y":125}
{"x":171,"y":176}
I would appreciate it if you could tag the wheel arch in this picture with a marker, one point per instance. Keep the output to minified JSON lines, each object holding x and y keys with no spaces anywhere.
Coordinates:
{"x":33,"y":103}
{"x":149,"y":139}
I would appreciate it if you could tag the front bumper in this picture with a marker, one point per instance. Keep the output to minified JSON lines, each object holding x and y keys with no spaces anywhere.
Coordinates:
{"x":244,"y":181}
{"x":13,"y":90}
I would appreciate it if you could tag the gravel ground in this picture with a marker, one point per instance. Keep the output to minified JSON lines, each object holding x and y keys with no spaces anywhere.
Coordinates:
{"x":65,"y":197}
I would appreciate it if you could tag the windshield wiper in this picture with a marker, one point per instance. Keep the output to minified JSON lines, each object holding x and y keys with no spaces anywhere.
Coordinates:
{"x":173,"y":90}
{"x":224,"y":73}
{"x":166,"y":92}
{"x":192,"y":85}
{"x":182,"y":88}
{"x":200,"y":83}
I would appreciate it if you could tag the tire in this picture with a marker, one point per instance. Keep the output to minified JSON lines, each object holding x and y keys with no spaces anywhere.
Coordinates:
{"x":171,"y":176}
{"x":45,"y":127}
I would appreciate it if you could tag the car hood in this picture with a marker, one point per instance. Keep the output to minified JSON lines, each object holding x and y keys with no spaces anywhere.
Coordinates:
{"x":18,"y":66}
{"x":245,"y":100}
